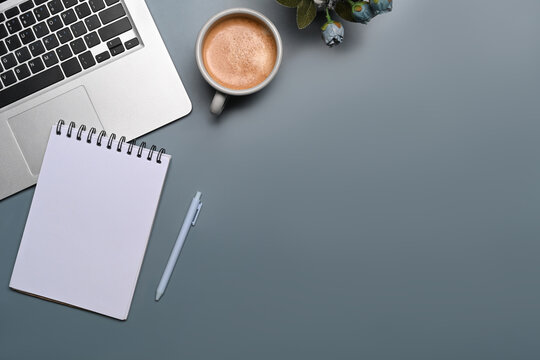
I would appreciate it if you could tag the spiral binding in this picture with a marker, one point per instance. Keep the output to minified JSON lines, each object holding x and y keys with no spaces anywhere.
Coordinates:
{"x":112,"y":137}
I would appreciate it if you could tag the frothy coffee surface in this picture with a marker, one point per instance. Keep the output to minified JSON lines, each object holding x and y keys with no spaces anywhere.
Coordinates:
{"x":239,"y":52}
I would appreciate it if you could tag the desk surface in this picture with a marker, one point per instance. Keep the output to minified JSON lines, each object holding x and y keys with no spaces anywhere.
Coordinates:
{"x":379,"y":200}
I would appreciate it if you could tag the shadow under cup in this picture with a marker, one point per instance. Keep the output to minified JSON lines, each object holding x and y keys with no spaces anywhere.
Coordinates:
{"x":238,"y":52}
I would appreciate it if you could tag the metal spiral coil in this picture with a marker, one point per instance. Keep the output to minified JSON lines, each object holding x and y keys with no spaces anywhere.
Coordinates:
{"x":102,"y":133}
{"x":79,"y":133}
{"x":141,"y":148}
{"x":91,"y":132}
{"x":130,"y":147}
{"x":120,"y":142}
{"x":70,"y":129}
{"x":152,"y":149}
{"x":59,"y":127}
{"x":110,"y":140}
{"x":160,"y":152}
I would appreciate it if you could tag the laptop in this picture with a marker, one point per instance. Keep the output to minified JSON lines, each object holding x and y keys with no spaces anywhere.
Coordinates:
{"x":101,"y":63}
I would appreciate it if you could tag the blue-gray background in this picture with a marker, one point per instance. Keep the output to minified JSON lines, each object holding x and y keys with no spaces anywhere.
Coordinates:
{"x":379,"y":200}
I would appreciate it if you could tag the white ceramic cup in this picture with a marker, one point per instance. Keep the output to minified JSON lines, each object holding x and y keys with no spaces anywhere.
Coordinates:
{"x":222,"y":92}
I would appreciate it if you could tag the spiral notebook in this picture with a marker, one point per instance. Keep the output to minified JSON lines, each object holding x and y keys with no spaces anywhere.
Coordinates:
{"x":90,"y":220}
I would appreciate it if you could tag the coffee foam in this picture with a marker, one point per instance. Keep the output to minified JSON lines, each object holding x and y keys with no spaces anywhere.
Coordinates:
{"x":239,"y":52}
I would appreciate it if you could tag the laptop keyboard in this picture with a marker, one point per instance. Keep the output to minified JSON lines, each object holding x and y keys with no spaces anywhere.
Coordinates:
{"x":43,"y":42}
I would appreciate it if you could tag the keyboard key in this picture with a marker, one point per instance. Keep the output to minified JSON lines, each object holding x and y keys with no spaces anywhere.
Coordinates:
{"x":12,"y":12}
{"x":78,"y":29}
{"x":96,"y":5}
{"x":22,"y":71}
{"x":27,"y":19}
{"x":41,"y":29}
{"x":50,"y":58}
{"x":77,"y":46}
{"x":41,"y":12}
{"x":27,"y":36}
{"x":2,"y":17}
{"x":64,"y":52}
{"x":36,"y":48}
{"x":64,"y":35}
{"x":131,"y":43}
{"x":114,"y":29}
{"x":87,"y":60}
{"x":82,"y":10}
{"x":110,"y":2}
{"x":103,"y":56}
{"x":71,"y":67}
{"x":13,"y":42}
{"x":8,"y":78}
{"x":39,"y":2}
{"x":69,"y":17}
{"x":50,"y":41}
{"x":23,"y":54}
{"x":92,"y":22}
{"x":92,"y":39}
{"x":113,"y":43}
{"x":117,"y":50}
{"x":3,"y":48}
{"x":27,"y":5}
{"x":69,"y":3}
{"x":3,"y":31}
{"x":31,"y":85}
{"x":55,"y":6}
{"x":13,"y":25}
{"x":55,"y":23}
{"x":8,"y":61}
{"x":36,"y":65}
{"x":112,"y":13}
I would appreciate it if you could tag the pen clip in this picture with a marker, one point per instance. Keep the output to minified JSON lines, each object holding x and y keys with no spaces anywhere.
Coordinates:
{"x":196,"y":213}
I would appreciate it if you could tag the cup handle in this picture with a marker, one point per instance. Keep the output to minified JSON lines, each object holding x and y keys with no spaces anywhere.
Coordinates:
{"x":218,"y":103}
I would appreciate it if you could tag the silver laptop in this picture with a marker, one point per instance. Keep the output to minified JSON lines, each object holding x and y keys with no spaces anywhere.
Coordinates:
{"x":101,"y":63}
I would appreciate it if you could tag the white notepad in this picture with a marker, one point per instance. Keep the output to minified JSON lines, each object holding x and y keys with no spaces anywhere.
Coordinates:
{"x":90,"y":220}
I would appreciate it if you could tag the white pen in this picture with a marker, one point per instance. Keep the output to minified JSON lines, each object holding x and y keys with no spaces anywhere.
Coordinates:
{"x":189,"y":221}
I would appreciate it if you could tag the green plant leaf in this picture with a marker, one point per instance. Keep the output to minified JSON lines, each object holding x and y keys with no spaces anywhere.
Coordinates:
{"x":289,"y":3}
{"x":306,"y":13}
{"x":344,"y":10}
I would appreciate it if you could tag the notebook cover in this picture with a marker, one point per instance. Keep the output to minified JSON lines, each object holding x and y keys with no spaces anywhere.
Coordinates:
{"x":89,"y":223}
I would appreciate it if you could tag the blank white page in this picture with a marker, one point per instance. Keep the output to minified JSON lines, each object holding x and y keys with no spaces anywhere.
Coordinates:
{"x":89,"y":224}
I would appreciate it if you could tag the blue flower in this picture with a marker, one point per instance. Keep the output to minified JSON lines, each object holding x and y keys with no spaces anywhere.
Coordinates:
{"x":380,"y":6}
{"x":361,"y":12}
{"x":332,"y":33}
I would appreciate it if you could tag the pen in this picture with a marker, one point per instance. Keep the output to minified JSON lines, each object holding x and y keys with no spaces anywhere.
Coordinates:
{"x":189,"y":221}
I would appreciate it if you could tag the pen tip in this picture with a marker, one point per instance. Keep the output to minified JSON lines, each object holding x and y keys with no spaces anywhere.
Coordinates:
{"x":158,"y":296}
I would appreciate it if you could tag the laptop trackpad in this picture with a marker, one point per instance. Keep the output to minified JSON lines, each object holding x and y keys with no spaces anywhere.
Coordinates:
{"x":32,"y":127}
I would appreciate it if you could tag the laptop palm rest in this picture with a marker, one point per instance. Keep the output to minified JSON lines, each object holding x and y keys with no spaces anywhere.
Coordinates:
{"x":32,"y":127}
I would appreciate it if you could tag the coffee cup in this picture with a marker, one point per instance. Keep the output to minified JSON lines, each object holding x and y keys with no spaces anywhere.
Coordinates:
{"x":238,"y":52}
